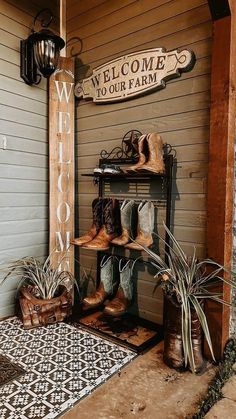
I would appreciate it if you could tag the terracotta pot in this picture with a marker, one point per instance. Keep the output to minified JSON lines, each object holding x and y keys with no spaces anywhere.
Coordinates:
{"x":38,"y":312}
{"x":173,"y":355}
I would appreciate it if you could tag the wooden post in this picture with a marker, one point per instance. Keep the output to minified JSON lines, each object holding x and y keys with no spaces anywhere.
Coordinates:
{"x":61,"y":164}
{"x":63,"y":25}
{"x":221,"y":167}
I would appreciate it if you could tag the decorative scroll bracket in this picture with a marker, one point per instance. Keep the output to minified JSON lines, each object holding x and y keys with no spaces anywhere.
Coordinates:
{"x":134,"y":74}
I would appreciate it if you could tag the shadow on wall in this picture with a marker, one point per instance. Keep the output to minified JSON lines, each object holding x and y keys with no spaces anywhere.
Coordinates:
{"x":81,"y":70}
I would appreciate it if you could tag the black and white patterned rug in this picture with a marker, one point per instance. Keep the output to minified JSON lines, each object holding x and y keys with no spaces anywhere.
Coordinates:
{"x":62,"y":365}
{"x":8,"y":370}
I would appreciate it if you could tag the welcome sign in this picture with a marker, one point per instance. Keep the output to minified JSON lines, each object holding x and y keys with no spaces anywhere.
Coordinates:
{"x":61,"y":168}
{"x":134,"y":74}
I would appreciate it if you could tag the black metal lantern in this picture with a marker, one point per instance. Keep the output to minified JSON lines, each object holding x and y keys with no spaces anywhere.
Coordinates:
{"x":40,"y":51}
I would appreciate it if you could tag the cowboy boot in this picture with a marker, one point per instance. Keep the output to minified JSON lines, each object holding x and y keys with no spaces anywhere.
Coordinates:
{"x":155,"y":162}
{"x":126,"y":210}
{"x":108,"y":284}
{"x":197,"y":343}
{"x":97,"y":205}
{"x":143,"y":153}
{"x":173,"y":354}
{"x":111,"y":227}
{"x":123,"y":298}
{"x":145,"y":227}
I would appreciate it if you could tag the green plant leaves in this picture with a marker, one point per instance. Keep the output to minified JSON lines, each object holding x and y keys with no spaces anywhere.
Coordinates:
{"x":42,"y":275}
{"x":189,"y":280}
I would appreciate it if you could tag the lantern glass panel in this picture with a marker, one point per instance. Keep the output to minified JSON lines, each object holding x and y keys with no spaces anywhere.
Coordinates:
{"x":46,"y":54}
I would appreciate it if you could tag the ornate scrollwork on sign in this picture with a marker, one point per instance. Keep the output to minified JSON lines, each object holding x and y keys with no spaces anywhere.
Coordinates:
{"x":134,"y":74}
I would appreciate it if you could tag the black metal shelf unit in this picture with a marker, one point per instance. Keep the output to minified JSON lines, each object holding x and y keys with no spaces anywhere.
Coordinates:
{"x":165,"y":186}
{"x":101,"y":178}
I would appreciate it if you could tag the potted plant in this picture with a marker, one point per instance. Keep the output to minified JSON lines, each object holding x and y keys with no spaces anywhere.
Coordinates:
{"x":185,"y":282}
{"x":45,"y":292}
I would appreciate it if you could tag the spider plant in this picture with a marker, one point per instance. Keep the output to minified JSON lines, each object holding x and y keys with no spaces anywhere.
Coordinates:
{"x":186,"y":280}
{"x":42,"y":275}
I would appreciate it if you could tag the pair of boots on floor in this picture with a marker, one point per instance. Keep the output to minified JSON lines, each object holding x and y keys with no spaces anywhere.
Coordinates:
{"x":113,"y":224}
{"x":115,"y":284}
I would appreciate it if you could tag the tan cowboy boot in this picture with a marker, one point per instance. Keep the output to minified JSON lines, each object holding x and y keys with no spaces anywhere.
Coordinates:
{"x":97,"y":205}
{"x":123,"y":298}
{"x":155,"y":162}
{"x":111,"y":227}
{"x":145,"y":226}
{"x":126,"y":210}
{"x":143,"y":153}
{"x":108,"y":284}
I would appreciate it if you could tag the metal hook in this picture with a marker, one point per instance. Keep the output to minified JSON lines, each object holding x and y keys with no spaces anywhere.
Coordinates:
{"x":75,"y":38}
{"x":44,"y":23}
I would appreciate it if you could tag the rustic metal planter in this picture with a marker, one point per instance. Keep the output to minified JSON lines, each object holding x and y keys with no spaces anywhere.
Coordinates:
{"x":38,"y":312}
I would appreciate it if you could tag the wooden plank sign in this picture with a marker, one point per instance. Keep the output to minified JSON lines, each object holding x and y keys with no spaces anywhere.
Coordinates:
{"x":134,"y":74}
{"x":61,"y":165}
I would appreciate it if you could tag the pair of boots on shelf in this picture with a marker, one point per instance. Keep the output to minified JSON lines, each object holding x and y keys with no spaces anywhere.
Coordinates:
{"x":115,"y":284}
{"x":114,"y":224}
{"x":105,"y":226}
{"x":150,"y":150}
{"x":145,"y":225}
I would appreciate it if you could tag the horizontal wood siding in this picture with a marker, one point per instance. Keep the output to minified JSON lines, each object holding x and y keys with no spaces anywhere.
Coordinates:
{"x":24,"y":164}
{"x":180,"y":112}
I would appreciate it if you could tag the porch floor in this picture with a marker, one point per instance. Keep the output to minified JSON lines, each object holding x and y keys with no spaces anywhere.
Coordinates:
{"x":146,"y":388}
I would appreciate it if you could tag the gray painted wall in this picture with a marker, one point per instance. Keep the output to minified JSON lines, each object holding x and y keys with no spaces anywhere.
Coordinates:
{"x":180,"y":113}
{"x":24,"y":163}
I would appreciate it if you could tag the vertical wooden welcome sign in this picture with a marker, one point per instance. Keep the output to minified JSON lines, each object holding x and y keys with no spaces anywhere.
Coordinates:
{"x":61,"y":165}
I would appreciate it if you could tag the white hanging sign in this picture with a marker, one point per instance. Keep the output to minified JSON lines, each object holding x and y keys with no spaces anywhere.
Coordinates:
{"x":134,"y":74}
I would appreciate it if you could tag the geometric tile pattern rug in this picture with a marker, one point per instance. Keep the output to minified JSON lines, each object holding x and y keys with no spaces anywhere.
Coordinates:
{"x":8,"y":370}
{"x":63,"y":364}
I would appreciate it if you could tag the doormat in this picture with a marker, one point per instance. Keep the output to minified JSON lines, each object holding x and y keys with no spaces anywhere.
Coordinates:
{"x":8,"y":370}
{"x":63,"y":364}
{"x":129,"y":331}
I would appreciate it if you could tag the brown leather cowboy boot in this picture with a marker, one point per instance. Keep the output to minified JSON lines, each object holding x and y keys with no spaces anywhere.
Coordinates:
{"x":97,"y":205}
{"x":155,"y":162}
{"x":173,"y":354}
{"x":108,"y":284}
{"x":123,"y":298}
{"x":126,"y":210}
{"x":38,"y":312}
{"x":145,"y":226}
{"x":111,"y":227}
{"x":143,"y":153}
{"x":197,"y":343}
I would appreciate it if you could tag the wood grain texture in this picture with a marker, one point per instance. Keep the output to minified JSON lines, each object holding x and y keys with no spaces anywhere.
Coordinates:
{"x":221,"y":162}
{"x":61,"y":165}
{"x":180,"y":112}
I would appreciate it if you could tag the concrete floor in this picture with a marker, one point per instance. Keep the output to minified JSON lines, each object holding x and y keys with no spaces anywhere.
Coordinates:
{"x":225,"y":408}
{"x":146,"y":389}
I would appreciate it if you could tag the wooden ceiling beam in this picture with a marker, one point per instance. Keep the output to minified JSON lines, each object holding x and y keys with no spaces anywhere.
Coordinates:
{"x":219,"y":8}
